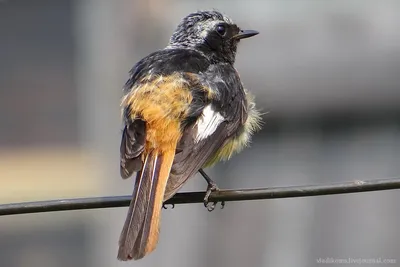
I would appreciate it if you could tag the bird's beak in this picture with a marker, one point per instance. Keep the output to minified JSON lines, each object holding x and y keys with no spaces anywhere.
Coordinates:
{"x":245,"y":34}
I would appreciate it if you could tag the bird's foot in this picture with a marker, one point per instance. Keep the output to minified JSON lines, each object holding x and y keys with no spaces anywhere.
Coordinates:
{"x":212,"y":187}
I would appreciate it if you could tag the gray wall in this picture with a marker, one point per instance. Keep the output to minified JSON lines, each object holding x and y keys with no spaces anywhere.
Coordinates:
{"x":324,"y":72}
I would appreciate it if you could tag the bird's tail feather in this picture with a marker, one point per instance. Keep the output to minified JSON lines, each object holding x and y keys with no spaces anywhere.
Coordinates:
{"x":139,"y":235}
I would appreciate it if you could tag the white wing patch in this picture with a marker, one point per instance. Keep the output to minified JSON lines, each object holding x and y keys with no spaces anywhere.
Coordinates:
{"x":207,"y":123}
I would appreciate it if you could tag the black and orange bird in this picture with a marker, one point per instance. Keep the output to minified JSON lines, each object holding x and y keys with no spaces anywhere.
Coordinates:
{"x":184,"y":109}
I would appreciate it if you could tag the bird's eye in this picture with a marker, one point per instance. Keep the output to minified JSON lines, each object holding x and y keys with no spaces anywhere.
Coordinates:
{"x":221,"y":30}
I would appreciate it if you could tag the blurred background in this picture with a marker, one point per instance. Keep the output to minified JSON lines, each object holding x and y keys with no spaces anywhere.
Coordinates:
{"x":326,"y":73}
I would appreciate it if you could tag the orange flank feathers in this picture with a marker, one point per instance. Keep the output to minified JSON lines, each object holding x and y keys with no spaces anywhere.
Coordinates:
{"x":163,"y":103}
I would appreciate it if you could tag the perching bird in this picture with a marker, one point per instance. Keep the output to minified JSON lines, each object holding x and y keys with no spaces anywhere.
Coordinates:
{"x":184,"y":108}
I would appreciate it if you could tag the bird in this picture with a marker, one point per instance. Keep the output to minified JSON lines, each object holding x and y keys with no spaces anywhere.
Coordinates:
{"x":184,"y":108}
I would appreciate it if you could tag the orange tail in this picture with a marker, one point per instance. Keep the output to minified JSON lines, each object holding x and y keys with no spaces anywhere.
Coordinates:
{"x":140,"y":233}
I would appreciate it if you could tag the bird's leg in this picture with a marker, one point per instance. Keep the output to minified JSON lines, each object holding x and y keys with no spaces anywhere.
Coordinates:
{"x":212,"y":186}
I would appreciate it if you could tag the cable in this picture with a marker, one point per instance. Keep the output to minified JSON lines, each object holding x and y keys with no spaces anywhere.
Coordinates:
{"x":197,"y":197}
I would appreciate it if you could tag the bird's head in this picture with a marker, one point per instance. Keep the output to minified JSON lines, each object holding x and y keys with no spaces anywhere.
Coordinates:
{"x":210,"y":32}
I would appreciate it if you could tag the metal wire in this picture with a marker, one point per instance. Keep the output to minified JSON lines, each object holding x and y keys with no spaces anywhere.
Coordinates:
{"x":197,"y":197}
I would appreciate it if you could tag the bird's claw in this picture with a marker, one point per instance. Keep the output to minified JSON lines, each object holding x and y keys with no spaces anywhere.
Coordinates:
{"x":210,"y":206}
{"x":164,"y":206}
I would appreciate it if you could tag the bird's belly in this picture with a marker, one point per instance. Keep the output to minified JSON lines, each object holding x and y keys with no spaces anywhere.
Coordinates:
{"x":230,"y":147}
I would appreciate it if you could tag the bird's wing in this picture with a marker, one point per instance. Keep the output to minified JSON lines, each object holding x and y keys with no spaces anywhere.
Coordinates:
{"x":132,"y":146}
{"x":215,"y":117}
